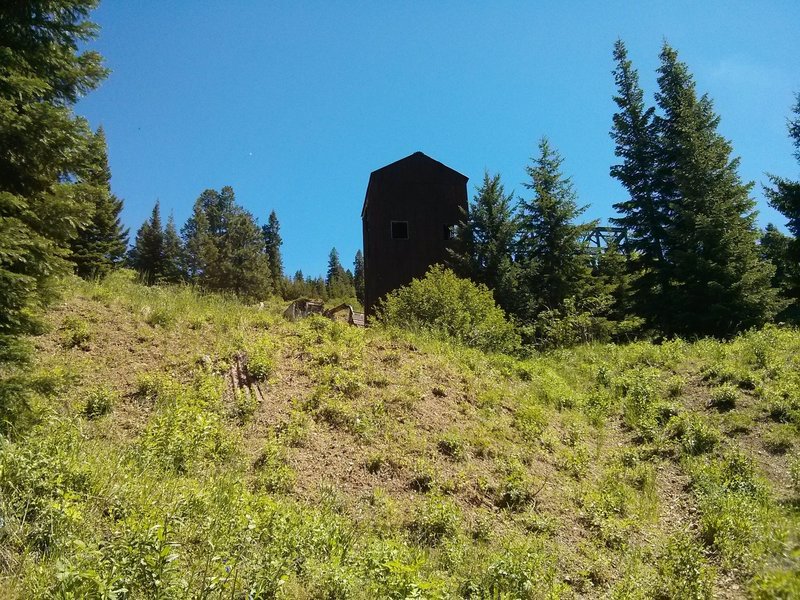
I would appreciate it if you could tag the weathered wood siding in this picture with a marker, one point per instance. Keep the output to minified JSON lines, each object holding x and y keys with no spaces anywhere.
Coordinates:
{"x":426,"y":194}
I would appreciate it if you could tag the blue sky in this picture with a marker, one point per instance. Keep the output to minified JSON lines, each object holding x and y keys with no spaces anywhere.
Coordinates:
{"x":295,"y":103}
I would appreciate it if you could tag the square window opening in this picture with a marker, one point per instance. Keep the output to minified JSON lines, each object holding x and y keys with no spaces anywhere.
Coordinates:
{"x":399,"y":230}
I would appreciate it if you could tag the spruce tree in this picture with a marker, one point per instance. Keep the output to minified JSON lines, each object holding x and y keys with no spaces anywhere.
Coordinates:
{"x":199,"y":248}
{"x":358,"y":276}
{"x":224,"y":247}
{"x":644,"y":215}
{"x":335,"y":270}
{"x":339,"y":284}
{"x":241,"y":266}
{"x":272,"y":247}
{"x":719,"y":284}
{"x":784,"y":197}
{"x":775,"y":247}
{"x":173,"y":254}
{"x":551,"y":249}
{"x":485,"y":242}
{"x":44,"y":150}
{"x":147,"y":254}
{"x":101,"y":243}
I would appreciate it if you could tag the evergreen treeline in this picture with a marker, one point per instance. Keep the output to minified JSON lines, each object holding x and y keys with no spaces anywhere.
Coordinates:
{"x":222,"y":248}
{"x":692,"y":263}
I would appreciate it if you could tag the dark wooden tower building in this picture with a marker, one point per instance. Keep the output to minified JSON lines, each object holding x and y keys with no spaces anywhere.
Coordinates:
{"x":409,"y":216}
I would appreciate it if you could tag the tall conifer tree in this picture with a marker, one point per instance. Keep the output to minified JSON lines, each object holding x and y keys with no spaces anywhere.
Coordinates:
{"x":224,"y":247}
{"x":784,"y":197}
{"x":199,"y":248}
{"x":644,"y":215}
{"x":44,"y":150}
{"x":719,"y":284}
{"x":335,"y":270}
{"x":173,"y":253}
{"x":358,"y":276}
{"x":485,"y":242}
{"x":147,"y":255}
{"x":101,"y":243}
{"x":551,"y":250}
{"x":272,"y":247}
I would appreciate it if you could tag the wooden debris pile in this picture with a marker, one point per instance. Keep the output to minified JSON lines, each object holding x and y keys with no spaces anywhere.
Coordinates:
{"x":304,"y":307}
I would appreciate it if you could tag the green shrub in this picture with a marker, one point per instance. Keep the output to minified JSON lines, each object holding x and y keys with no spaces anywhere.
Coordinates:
{"x":451,"y":308}
{"x":579,"y":323}
{"x":273,"y":473}
{"x":160,"y":316}
{"x":530,"y":420}
{"x":99,"y":402}
{"x":293,"y":432}
{"x":452,"y":446}
{"x":374,"y":463}
{"x":245,"y":404}
{"x":675,"y":385}
{"x":694,"y":434}
{"x":261,"y":361}
{"x":437,"y":519}
{"x":641,"y":402}
{"x":779,"y":584}
{"x":515,"y":490}
{"x":187,"y":425}
{"x":525,"y":568}
{"x":574,"y":460}
{"x":75,"y":333}
{"x":780,"y":438}
{"x":683,"y":571}
{"x":724,"y":397}
{"x":738,"y":519}
{"x":423,"y":477}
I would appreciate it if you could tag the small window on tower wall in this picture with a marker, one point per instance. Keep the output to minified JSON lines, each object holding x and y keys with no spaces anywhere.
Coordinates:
{"x":450,"y":232}
{"x":399,"y":230}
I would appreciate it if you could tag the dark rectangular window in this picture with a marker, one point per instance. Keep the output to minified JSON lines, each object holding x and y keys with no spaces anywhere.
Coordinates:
{"x":399,"y":230}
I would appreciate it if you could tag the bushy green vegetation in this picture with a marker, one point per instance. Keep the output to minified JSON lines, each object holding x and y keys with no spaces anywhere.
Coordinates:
{"x":383,"y":463}
{"x":450,"y":307}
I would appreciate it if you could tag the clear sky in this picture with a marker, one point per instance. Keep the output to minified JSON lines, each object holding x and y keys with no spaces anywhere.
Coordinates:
{"x":293,"y":104}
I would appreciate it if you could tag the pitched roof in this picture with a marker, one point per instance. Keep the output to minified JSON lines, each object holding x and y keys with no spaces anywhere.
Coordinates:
{"x":414,"y":167}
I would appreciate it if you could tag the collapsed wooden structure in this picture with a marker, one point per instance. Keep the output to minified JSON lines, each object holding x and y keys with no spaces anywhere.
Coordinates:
{"x":305,"y":307}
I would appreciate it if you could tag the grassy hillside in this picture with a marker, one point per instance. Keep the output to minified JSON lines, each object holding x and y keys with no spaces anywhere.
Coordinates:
{"x":191,"y":446}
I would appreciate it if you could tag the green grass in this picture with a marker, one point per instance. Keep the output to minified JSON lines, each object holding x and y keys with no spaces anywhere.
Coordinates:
{"x":390,"y":464}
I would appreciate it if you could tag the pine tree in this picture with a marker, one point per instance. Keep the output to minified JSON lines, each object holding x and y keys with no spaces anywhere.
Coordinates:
{"x":775,"y":247}
{"x":784,"y":197}
{"x":173,"y":254}
{"x":551,"y":251}
{"x":485,"y":242}
{"x":224,"y":247}
{"x":337,"y":281}
{"x":101,"y":243}
{"x":644,"y":215}
{"x":242,"y":266}
{"x":719,"y":283}
{"x":335,"y":269}
{"x":44,"y":150}
{"x":358,"y":276}
{"x":199,"y":248}
{"x":147,"y":254}
{"x":272,"y":247}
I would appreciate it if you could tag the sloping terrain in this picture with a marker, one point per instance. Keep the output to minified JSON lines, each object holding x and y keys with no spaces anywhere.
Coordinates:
{"x":191,"y":446}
